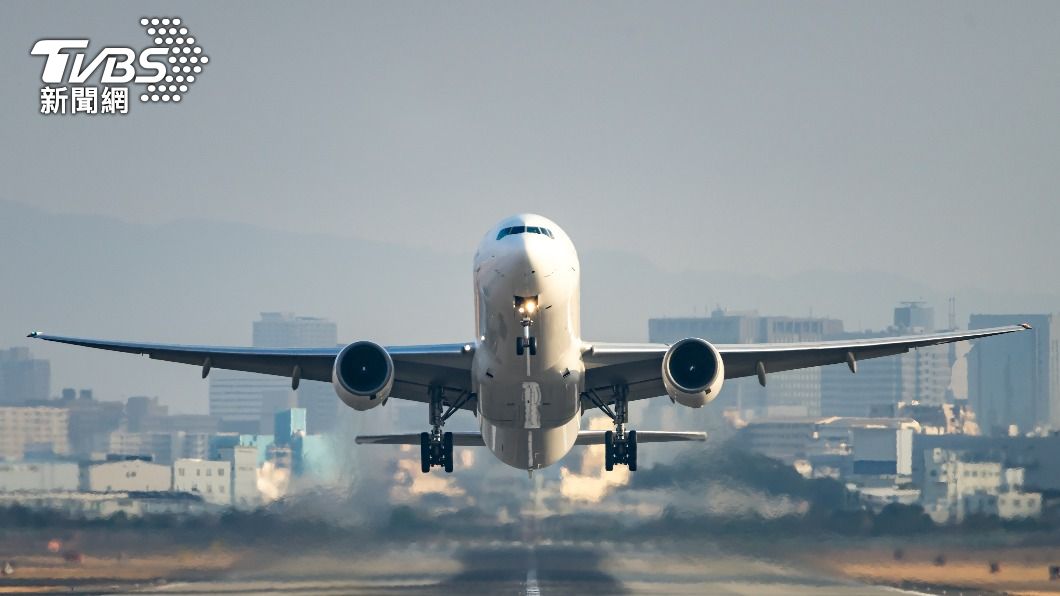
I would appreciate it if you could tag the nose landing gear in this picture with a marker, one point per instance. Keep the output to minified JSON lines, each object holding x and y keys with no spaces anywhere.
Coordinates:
{"x":526,"y":306}
{"x":524,"y":344}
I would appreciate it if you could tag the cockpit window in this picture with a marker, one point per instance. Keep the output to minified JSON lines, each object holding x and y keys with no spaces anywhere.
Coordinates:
{"x":524,"y":230}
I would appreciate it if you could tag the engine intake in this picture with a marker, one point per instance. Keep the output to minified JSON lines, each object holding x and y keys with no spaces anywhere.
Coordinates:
{"x":363,"y":375}
{"x":693,"y":372}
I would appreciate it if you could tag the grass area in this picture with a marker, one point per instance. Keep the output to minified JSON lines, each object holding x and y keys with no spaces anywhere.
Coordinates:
{"x":1012,"y":570}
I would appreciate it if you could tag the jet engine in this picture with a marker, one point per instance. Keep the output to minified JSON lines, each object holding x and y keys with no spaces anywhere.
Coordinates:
{"x":693,"y":372}
{"x":363,"y":375}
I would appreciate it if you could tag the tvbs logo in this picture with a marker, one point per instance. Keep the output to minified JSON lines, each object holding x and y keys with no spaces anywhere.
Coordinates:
{"x":120,"y":63}
{"x":166,"y":70}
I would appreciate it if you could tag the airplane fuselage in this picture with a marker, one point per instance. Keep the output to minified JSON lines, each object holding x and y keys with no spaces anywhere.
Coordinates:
{"x":527,"y":292}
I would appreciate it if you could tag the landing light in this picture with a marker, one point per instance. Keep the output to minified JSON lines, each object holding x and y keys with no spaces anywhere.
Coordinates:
{"x":525,"y":306}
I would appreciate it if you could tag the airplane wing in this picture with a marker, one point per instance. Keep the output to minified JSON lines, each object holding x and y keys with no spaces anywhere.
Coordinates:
{"x":640,"y":365}
{"x":415,"y":367}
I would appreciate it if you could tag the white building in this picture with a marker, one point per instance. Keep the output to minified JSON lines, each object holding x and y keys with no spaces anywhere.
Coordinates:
{"x":35,"y":430}
{"x":244,"y":486}
{"x":878,"y":497}
{"x":38,"y":477}
{"x":212,"y":480}
{"x":164,"y":447}
{"x":880,"y":445}
{"x":881,"y":449}
{"x":127,"y":475}
{"x":954,"y":488}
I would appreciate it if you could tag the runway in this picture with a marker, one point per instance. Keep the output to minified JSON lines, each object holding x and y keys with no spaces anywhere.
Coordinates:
{"x":542,"y":569}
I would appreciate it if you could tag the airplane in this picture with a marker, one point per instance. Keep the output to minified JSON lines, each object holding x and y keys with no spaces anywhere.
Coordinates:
{"x":528,"y":375}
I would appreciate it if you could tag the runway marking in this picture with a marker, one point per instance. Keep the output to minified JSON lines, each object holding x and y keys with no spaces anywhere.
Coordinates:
{"x":532,"y":589}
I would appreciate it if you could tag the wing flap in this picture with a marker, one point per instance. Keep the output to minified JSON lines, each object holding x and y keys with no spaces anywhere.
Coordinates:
{"x":596,"y":437}
{"x":585,"y":437}
{"x":467,"y":439}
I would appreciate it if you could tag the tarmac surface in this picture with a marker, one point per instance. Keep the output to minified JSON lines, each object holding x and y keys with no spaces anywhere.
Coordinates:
{"x":520,"y":569}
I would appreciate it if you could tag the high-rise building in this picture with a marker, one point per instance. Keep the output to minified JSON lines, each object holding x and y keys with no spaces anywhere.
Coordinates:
{"x":928,"y":369}
{"x":242,"y":401}
{"x":1014,"y":380}
{"x":246,"y":402}
{"x":788,"y":394}
{"x":91,"y":422}
{"x":914,"y":317}
{"x":23,"y":378}
{"x":921,"y":375}
{"x":285,"y":330}
{"x":144,"y":414}
{"x":33,"y":431}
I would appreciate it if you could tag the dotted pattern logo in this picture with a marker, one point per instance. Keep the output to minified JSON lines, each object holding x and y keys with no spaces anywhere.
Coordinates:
{"x":186,"y":59}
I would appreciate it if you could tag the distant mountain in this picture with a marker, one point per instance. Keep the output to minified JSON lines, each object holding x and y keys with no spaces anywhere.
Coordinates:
{"x":199,"y":281}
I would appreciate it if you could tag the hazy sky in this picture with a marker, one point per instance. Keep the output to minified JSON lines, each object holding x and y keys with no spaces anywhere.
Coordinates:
{"x":913,"y":138}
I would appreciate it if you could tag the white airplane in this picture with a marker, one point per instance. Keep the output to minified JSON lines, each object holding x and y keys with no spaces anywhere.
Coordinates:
{"x":528,"y":375}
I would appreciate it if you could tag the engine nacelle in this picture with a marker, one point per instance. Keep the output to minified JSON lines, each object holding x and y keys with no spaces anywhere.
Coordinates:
{"x":693,"y":372}
{"x":363,"y":375}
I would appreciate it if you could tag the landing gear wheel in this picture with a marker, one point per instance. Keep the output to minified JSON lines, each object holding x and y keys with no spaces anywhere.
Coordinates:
{"x":425,"y":452}
{"x":620,"y":447}
{"x":447,"y":452}
{"x":609,"y":450}
{"x":522,"y":344}
{"x":631,"y":450}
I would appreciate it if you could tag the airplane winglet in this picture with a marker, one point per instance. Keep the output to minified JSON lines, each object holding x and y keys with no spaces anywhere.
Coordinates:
{"x":33,"y":334}
{"x":1026,"y":325}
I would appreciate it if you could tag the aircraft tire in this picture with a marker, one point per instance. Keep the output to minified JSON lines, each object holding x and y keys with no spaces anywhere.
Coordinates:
{"x":425,"y":452}
{"x":609,"y":450}
{"x":631,"y":450}
{"x":447,"y":452}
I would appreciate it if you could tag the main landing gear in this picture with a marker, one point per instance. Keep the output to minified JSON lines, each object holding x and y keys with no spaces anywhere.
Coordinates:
{"x":620,"y":446}
{"x":436,"y":447}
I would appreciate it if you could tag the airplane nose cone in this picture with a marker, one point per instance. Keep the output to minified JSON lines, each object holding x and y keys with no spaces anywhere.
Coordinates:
{"x":531,"y":260}
{"x":536,"y":254}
